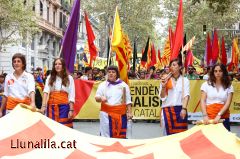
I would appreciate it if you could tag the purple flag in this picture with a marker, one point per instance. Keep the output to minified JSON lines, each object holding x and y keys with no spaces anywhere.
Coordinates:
{"x":69,"y":41}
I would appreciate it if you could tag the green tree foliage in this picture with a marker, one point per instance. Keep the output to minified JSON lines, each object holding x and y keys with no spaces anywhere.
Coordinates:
{"x":198,"y":14}
{"x":137,"y":16}
{"x":219,"y":6}
{"x":16,"y":18}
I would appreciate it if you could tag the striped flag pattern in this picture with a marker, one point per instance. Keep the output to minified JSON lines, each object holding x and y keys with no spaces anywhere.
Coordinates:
{"x":188,"y":46}
{"x":53,"y":140}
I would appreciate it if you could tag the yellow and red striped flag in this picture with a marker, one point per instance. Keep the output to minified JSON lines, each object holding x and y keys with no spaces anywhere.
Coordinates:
{"x":189,"y":44}
{"x":120,"y":46}
{"x":166,"y":53}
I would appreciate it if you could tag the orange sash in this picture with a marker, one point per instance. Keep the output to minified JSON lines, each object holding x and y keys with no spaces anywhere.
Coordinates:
{"x":214,"y":109}
{"x":12,"y":102}
{"x":58,"y":97}
{"x":58,"y":101}
{"x":169,"y":85}
{"x":115,"y":112}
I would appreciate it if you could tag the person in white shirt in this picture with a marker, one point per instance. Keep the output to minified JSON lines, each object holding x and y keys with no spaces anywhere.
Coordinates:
{"x":216,"y":96}
{"x":60,"y":88}
{"x":115,"y":98}
{"x":19,"y":86}
{"x":206,"y":72}
{"x":174,"y":100}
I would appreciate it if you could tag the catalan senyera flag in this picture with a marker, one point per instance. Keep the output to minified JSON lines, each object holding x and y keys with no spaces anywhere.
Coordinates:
{"x":121,"y":47}
{"x":43,"y":137}
{"x":188,"y":46}
{"x":166,"y":53}
{"x":233,"y":66}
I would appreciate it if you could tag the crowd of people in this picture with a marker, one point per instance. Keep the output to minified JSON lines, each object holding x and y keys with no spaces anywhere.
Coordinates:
{"x":54,"y":93}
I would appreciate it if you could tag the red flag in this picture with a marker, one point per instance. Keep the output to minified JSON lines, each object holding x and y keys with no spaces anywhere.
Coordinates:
{"x":153,"y":56}
{"x":189,"y":59}
{"x":159,"y":55}
{"x":171,"y":38}
{"x":224,"y":54}
{"x":91,"y":38}
{"x":143,"y":63}
{"x":215,"y":47}
{"x":209,"y":50}
{"x":178,"y":38}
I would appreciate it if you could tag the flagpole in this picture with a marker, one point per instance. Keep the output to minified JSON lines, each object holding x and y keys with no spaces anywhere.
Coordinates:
{"x":183,"y":74}
{"x":60,"y":51}
{"x":110,"y":50}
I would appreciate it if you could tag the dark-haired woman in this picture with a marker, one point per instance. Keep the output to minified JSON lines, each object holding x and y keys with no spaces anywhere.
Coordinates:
{"x":115,"y":98}
{"x":60,"y":88}
{"x":19,"y":86}
{"x":174,"y":99}
{"x":216,"y":96}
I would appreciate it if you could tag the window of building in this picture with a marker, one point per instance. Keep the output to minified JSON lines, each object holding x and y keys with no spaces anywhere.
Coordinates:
{"x":54,"y":18}
{"x":41,"y":8}
{"x":61,"y":20}
{"x":47,"y":13}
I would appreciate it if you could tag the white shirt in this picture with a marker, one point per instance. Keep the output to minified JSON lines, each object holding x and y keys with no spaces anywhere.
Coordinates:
{"x":214,"y":95}
{"x":174,"y":96}
{"x":21,"y":87}
{"x":113,"y":93}
{"x":57,"y":86}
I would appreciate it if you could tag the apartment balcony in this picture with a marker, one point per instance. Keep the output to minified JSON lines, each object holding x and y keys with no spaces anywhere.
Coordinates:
{"x":45,"y":25}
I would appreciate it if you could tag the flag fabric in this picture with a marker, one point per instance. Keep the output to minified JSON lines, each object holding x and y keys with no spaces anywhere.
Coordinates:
{"x":153,"y":56}
{"x":159,"y":55}
{"x":50,"y":137}
{"x":120,"y":46}
{"x":233,"y":66}
{"x":171,"y":37}
{"x":215,"y":47}
{"x":145,"y":53}
{"x":108,"y":52}
{"x":179,"y":35}
{"x":91,"y":38}
{"x":209,"y":51}
{"x":189,"y":59}
{"x":85,"y":58}
{"x":159,"y":59}
{"x":69,"y":41}
{"x":134,"y":55}
{"x":149,"y":55}
{"x":144,"y":58}
{"x":166,"y":53}
{"x":45,"y":69}
{"x":224,"y":53}
{"x":39,"y":82}
{"x":188,"y":46}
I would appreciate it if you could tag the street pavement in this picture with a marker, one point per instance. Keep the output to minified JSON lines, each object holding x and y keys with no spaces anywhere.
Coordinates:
{"x":140,"y":129}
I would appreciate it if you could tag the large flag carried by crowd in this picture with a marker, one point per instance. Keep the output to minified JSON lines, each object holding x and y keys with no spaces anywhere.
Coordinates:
{"x":42,"y":137}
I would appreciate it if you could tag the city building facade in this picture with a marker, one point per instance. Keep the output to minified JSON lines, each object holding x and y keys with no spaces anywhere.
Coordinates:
{"x":41,"y":48}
